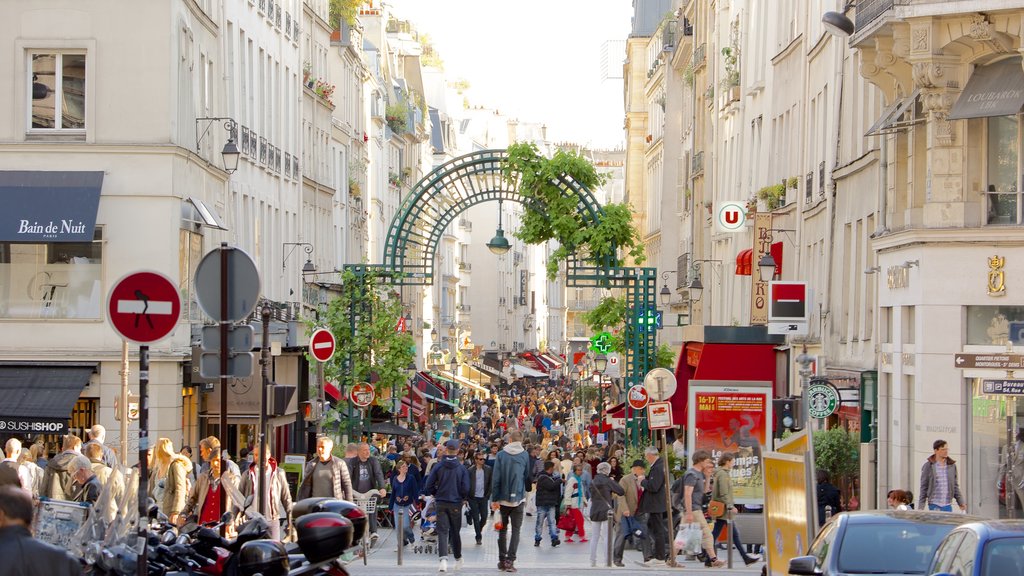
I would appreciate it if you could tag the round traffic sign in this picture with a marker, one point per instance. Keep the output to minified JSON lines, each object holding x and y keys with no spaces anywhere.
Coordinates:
{"x":361,"y":394}
{"x":144,"y":307}
{"x":322,"y":345}
{"x":823,"y":399}
{"x":660,"y":383}
{"x":507,"y":363}
{"x":638,"y":397}
{"x":243,"y":284}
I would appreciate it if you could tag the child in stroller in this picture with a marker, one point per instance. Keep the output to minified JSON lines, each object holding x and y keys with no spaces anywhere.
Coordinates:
{"x":428,"y":527}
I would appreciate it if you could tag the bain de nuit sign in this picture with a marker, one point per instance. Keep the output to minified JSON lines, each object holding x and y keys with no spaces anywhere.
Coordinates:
{"x":49,"y":206}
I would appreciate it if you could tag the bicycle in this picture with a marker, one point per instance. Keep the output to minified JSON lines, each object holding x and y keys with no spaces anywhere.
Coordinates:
{"x":368,"y":506}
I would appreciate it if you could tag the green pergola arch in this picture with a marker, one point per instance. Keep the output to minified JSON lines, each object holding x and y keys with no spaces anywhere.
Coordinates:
{"x":453,"y":187}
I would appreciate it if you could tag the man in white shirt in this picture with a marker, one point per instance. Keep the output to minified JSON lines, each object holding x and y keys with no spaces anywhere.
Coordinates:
{"x":10,"y":467}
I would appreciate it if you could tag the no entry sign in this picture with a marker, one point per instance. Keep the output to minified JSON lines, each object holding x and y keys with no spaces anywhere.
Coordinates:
{"x":321,"y":344}
{"x":144,"y":307}
{"x":361,"y":394}
{"x":638,"y":397}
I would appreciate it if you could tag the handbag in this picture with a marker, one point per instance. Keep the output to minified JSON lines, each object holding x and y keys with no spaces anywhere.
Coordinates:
{"x":565,"y":523}
{"x":716,"y":508}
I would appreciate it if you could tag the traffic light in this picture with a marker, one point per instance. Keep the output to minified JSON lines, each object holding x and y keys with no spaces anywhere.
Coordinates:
{"x":786,"y":413}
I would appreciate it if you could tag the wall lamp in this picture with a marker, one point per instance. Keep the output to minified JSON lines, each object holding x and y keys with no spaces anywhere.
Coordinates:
{"x":230,"y":153}
{"x":837,"y":23}
{"x":872,"y":269}
{"x":665,"y":293}
{"x":911,"y":263}
{"x":308,"y":267}
{"x":696,"y":287}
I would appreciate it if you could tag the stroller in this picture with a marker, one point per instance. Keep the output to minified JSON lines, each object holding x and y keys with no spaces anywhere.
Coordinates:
{"x":428,"y":527}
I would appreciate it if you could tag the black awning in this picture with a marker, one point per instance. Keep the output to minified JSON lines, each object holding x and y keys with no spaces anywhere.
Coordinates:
{"x":37,"y":399}
{"x":993,"y":90}
{"x":49,"y":206}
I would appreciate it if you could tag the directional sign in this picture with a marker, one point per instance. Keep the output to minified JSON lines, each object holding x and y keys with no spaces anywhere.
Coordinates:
{"x":361,"y":394}
{"x":321,"y":344}
{"x":239,"y":338}
{"x":997,"y":361}
{"x":659,"y":415}
{"x":638,"y":397}
{"x":1009,"y":387}
{"x":144,"y":307}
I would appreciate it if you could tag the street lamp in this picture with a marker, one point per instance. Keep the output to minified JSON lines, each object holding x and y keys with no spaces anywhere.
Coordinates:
{"x":696,"y":289}
{"x":665,"y":293}
{"x":230,"y":154}
{"x":499,"y":244}
{"x":433,"y":334}
{"x":766,"y":266}
{"x":837,"y":23}
{"x":308,"y":267}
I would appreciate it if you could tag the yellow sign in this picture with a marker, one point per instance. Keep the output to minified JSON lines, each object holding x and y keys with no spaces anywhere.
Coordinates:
{"x":759,"y":286}
{"x":996,"y":277}
{"x":796,"y":445}
{"x":786,"y":510}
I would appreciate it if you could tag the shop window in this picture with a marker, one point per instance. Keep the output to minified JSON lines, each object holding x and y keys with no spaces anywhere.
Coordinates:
{"x":990,"y":325}
{"x":994,"y":421}
{"x":57,"y":90}
{"x":190,"y":253}
{"x":51,"y":280}
{"x":1002,"y":173}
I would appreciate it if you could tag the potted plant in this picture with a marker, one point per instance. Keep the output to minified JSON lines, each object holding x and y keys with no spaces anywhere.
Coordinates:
{"x":731,"y":79}
{"x":792,"y":182}
{"x":772,"y":196}
{"x":307,"y":71}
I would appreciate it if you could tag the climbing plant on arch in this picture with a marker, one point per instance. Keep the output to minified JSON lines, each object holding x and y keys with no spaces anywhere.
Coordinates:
{"x":559,"y":205}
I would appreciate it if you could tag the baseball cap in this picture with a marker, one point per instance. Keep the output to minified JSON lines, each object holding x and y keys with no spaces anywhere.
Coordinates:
{"x":639,"y":463}
{"x":452,"y":445}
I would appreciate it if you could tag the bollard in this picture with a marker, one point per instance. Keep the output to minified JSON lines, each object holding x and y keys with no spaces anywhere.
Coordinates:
{"x":400,"y":530}
{"x":828,"y":513}
{"x":608,"y":537}
{"x":728,"y":540}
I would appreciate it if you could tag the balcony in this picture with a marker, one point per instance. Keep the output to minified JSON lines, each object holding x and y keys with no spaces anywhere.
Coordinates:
{"x":466,"y":308}
{"x":697,"y":163}
{"x":699,"y":57}
{"x":870,"y":10}
{"x":465,"y":266}
{"x":465,"y":224}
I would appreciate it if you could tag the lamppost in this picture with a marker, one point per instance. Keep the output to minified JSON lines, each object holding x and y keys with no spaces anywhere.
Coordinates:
{"x":600,"y":365}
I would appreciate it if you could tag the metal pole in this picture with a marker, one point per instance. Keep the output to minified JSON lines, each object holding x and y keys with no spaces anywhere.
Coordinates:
{"x":321,"y":397}
{"x":668,"y":499}
{"x":143,"y":564}
{"x":399,"y":530}
{"x":264,"y":387}
{"x":125,"y":372}
{"x":224,"y":326}
{"x":804,"y":360}
{"x":728,"y":540}
{"x":608,"y":536}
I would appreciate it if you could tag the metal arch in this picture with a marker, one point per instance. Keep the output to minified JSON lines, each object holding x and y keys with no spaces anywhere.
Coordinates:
{"x":448,"y":190}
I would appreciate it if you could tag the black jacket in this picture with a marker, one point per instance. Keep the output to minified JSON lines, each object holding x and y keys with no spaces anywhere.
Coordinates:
{"x":25,"y":556}
{"x":448,"y":481}
{"x":549,"y":490}
{"x":653,"y":500}
{"x":601,"y":491}
{"x":471,"y":469}
{"x":828,"y":495}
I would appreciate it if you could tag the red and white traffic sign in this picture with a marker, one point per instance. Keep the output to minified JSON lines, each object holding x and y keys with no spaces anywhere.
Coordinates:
{"x":321,"y":344}
{"x":361,"y":394}
{"x":144,"y":307}
{"x":659,"y":415}
{"x":638,"y":397}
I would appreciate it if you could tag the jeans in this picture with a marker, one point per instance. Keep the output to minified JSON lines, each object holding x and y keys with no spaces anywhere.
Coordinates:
{"x":478,"y":514}
{"x":546,"y":513}
{"x":449,"y":522}
{"x":620,"y":540}
{"x":658,"y":532}
{"x":719,"y":524}
{"x":405,"y":513}
{"x":946,"y":508}
{"x":511,"y":518}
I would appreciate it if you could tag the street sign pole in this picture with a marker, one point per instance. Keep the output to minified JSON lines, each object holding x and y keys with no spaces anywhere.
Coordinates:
{"x":125,"y":372}
{"x":224,"y":351}
{"x":264,"y":386}
{"x":323,"y":397}
{"x":143,"y":564}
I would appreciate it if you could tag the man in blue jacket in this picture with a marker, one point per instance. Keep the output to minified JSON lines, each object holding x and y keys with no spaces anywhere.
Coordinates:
{"x":510,"y":480}
{"x":448,"y":483}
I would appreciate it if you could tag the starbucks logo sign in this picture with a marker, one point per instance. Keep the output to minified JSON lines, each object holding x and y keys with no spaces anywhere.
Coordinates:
{"x":823,"y":399}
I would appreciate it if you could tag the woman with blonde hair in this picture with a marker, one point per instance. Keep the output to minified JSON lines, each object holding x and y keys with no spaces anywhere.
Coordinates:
{"x":168,"y":480}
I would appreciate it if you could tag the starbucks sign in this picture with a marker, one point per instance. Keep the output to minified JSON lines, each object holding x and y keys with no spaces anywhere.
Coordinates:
{"x":823,"y":399}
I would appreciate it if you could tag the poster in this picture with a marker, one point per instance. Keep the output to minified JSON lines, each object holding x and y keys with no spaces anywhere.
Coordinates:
{"x":292,"y":467}
{"x":786,"y":510}
{"x":734,"y":417}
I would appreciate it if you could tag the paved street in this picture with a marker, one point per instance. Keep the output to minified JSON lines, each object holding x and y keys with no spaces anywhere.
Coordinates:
{"x":565,"y":559}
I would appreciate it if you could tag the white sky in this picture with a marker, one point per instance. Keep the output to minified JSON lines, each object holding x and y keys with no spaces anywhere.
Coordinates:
{"x":534,"y":60}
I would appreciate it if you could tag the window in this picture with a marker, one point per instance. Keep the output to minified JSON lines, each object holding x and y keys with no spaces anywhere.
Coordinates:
{"x":57,"y":90}
{"x":51,"y":280}
{"x":1002,"y":160}
{"x":946,"y":552}
{"x":963,"y":562}
{"x":909,"y":547}
{"x":822,"y":544}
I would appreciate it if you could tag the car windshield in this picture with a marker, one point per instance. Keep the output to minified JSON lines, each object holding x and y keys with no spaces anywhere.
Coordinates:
{"x":1002,"y":557}
{"x":889,"y":548}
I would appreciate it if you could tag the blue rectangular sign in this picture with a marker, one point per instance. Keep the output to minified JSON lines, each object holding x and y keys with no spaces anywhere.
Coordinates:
{"x":48,"y":206}
{"x":1010,"y":387}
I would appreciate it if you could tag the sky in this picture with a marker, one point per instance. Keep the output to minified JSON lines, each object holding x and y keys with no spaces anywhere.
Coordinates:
{"x":532,"y":60}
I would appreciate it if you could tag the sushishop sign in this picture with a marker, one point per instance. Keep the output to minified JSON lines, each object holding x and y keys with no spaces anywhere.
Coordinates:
{"x":14,"y":426}
{"x":49,"y":206}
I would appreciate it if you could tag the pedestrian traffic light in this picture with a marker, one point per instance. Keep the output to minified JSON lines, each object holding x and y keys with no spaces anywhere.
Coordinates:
{"x":786,"y":413}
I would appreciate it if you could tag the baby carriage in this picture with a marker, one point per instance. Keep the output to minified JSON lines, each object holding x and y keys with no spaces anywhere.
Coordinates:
{"x":428,"y":527}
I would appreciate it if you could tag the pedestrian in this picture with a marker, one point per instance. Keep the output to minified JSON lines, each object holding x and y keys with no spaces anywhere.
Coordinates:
{"x":211,"y":445}
{"x":536,"y":465}
{"x":653,"y":505}
{"x":367,"y":481}
{"x":601,"y":504}
{"x":900,"y":500}
{"x":28,"y":462}
{"x":98,"y":435}
{"x":1012,"y":471}
{"x":204,"y":500}
{"x":616,"y":473}
{"x":721,"y":490}
{"x":12,"y":472}
{"x":549,"y":494}
{"x":448,"y":484}
{"x":87,"y":486}
{"x":626,"y":515}
{"x":275,"y":490}
{"x":57,"y":482}
{"x":575,"y":499}
{"x":325,"y":475}
{"x":693,"y":504}
{"x":111,"y":479}
{"x":939,"y":484}
{"x":480,"y":475}
{"x":828,"y":498}
{"x":167,"y":480}
{"x":186,"y":451}
{"x":509,"y":483}
{"x":404,"y":490}
{"x":24,"y":555}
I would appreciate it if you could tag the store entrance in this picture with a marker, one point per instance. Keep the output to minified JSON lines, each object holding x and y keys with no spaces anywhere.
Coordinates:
{"x":995,"y":420}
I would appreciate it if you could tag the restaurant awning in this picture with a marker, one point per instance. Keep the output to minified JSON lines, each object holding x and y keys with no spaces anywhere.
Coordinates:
{"x":466,"y":383}
{"x":521,"y":370}
{"x":45,"y":206}
{"x":745,"y":257}
{"x":530,"y":359}
{"x":993,"y":90}
{"x":38,"y":398}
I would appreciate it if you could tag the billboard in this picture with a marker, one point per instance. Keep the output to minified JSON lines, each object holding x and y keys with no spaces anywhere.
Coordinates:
{"x":733,"y":416}
{"x":786,"y":517}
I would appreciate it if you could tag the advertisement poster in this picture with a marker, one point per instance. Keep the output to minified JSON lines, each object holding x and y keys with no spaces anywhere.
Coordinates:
{"x":734,"y":417}
{"x":292,"y":467}
{"x":786,"y":510}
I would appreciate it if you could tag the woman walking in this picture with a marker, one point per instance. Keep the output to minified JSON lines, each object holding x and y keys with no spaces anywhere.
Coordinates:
{"x":404,"y":490}
{"x":601,"y":503}
{"x":575,"y":499}
{"x":721,"y":491}
{"x":168,"y":484}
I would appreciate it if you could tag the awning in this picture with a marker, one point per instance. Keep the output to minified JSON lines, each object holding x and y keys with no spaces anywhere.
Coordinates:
{"x":993,"y":90}
{"x":553,"y":361}
{"x":441,"y":403}
{"x":49,"y":206}
{"x":521,"y":370}
{"x":533,"y":362}
{"x":467,"y":383}
{"x":37,"y":399}
{"x":743,"y":260}
{"x":889,"y":119}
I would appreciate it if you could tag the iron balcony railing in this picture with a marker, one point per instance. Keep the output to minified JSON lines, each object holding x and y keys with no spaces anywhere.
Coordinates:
{"x":697,"y":163}
{"x":699,"y":56}
{"x":869,"y":10}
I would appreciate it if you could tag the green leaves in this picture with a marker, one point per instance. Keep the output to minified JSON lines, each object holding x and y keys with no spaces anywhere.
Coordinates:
{"x":837,"y":452}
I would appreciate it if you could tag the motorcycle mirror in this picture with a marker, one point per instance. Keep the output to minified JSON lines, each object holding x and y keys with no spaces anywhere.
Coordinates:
{"x":183,"y":540}
{"x":226,"y":518}
{"x":161,"y":517}
{"x":188,"y":528}
{"x":153,"y":510}
{"x":168,"y":538}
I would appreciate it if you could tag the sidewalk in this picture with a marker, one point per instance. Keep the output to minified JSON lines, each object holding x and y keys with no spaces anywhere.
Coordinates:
{"x":544,"y":560}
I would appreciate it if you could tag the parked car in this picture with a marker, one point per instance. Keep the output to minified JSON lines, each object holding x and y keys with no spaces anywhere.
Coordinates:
{"x":877,"y":542}
{"x":991,"y":548}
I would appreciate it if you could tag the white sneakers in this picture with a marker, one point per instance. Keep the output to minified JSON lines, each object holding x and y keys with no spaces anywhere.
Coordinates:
{"x":654,"y":562}
{"x":458,"y":564}
{"x":443,"y":566}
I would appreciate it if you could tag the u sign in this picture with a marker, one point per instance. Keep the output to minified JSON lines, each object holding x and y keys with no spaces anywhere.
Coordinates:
{"x":730,"y":216}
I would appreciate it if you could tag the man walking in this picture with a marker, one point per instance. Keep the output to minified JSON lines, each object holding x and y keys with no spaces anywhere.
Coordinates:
{"x":630,"y":500}
{"x":549,"y":494}
{"x":510,"y":481}
{"x":24,"y":555}
{"x":98,"y":435}
{"x":939,"y":484}
{"x":653,"y":504}
{"x":367,"y":481}
{"x":479,"y":494}
{"x":325,"y":475}
{"x":11,"y":471}
{"x":448,"y":483}
{"x":57,"y":481}
{"x":693,"y":501}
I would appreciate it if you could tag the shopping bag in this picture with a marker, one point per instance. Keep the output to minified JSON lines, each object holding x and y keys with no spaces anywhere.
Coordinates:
{"x":688,"y":539}
{"x":565,"y":523}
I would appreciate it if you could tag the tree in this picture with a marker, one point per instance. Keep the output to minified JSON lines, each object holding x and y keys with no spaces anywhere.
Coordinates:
{"x":837,"y":452}
{"x":363,"y":319}
{"x":343,"y":10}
